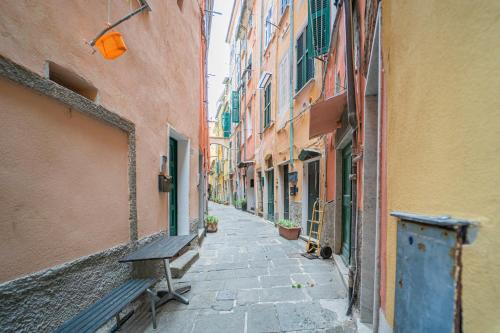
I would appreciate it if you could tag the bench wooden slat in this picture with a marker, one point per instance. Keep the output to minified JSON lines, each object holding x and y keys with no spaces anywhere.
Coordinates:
{"x":88,"y":313}
{"x":99,"y":308}
{"x":114,"y":308}
{"x":96,"y":315}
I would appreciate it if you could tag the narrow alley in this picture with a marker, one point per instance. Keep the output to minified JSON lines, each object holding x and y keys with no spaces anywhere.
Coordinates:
{"x":248,"y":279}
{"x":249,"y":166}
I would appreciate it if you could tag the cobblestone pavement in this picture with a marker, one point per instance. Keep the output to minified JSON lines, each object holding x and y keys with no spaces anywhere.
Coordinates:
{"x":249,"y":279}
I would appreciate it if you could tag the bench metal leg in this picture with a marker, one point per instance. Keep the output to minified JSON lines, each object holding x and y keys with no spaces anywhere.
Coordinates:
{"x":118,"y":321}
{"x":152,"y":299}
{"x":121,"y":321}
{"x":171,"y":293}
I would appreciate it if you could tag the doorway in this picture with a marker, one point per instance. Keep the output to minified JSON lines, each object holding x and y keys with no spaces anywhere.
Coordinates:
{"x":286,"y":193}
{"x":312,"y":192}
{"x":260,"y":194}
{"x":250,"y":188}
{"x":345,"y":251}
{"x":270,"y":195}
{"x":173,"y":164}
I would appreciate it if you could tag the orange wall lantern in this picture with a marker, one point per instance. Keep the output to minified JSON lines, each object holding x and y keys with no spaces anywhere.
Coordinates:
{"x":111,"y":45}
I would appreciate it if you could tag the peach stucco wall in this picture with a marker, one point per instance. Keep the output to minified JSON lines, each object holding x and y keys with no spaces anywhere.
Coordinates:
{"x":64,"y":183}
{"x":153,"y":85}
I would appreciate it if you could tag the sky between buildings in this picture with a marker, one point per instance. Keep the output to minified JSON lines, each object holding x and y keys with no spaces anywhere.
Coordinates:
{"x":218,"y":54}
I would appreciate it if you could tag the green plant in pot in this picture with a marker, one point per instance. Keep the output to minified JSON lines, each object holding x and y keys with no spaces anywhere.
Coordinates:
{"x":244,"y":204}
{"x":289,"y":229}
{"x":237,"y":203}
{"x":212,"y":223}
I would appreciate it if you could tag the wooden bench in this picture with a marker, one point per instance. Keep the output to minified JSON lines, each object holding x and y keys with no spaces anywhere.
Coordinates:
{"x":93,"y":317}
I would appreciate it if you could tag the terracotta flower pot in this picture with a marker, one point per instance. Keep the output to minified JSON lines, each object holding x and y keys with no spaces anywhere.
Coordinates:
{"x":211,"y":227}
{"x":289,"y":233}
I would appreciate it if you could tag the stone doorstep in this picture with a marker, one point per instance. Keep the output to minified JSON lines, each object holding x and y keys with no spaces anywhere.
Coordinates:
{"x":342,"y":269}
{"x":181,"y":265}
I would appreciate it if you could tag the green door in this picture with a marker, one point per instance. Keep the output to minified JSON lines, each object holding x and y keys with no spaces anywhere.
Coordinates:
{"x":173,"y":193}
{"x":286,"y":193}
{"x":270,"y":195}
{"x":346,"y":204}
{"x":312,"y":193}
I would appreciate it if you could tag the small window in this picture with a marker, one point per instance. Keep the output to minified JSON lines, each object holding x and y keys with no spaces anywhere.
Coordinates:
{"x":267,"y":105}
{"x":68,"y":79}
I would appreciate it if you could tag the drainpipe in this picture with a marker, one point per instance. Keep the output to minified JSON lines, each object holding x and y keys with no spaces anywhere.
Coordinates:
{"x":260,"y":67}
{"x":376,"y":294}
{"x":351,"y":114}
{"x":290,"y":59}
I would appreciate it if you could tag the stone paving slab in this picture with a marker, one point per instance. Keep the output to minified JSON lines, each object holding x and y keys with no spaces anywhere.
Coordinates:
{"x":282,"y":294}
{"x":275,"y":281}
{"x":220,"y":322}
{"x":244,"y":282}
{"x":304,"y":316}
{"x":262,"y":318}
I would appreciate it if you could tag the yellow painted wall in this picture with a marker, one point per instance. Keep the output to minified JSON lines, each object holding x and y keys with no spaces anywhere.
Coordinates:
{"x":442,"y":71}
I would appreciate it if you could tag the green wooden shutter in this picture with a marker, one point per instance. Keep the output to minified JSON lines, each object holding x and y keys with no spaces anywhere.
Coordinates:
{"x":226,"y":124}
{"x":235,"y":106}
{"x":309,"y":61}
{"x":300,"y":61}
{"x":319,"y":23}
{"x":267,"y":105}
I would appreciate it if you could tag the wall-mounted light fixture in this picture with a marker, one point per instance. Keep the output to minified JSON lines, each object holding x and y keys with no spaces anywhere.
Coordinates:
{"x":263,"y":80}
{"x":111,"y":43}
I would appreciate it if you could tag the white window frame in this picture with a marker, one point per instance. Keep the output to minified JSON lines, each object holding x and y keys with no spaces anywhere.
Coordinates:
{"x":284,"y":88}
{"x":249,"y":124}
{"x":268,"y":27}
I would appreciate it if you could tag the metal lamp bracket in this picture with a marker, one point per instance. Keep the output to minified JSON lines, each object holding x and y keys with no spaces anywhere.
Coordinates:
{"x":144,"y":6}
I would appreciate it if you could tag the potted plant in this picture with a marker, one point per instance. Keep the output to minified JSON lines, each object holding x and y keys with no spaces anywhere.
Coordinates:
{"x":212,"y":222}
{"x":244,"y":205}
{"x":237,"y":204}
{"x":289,"y":229}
